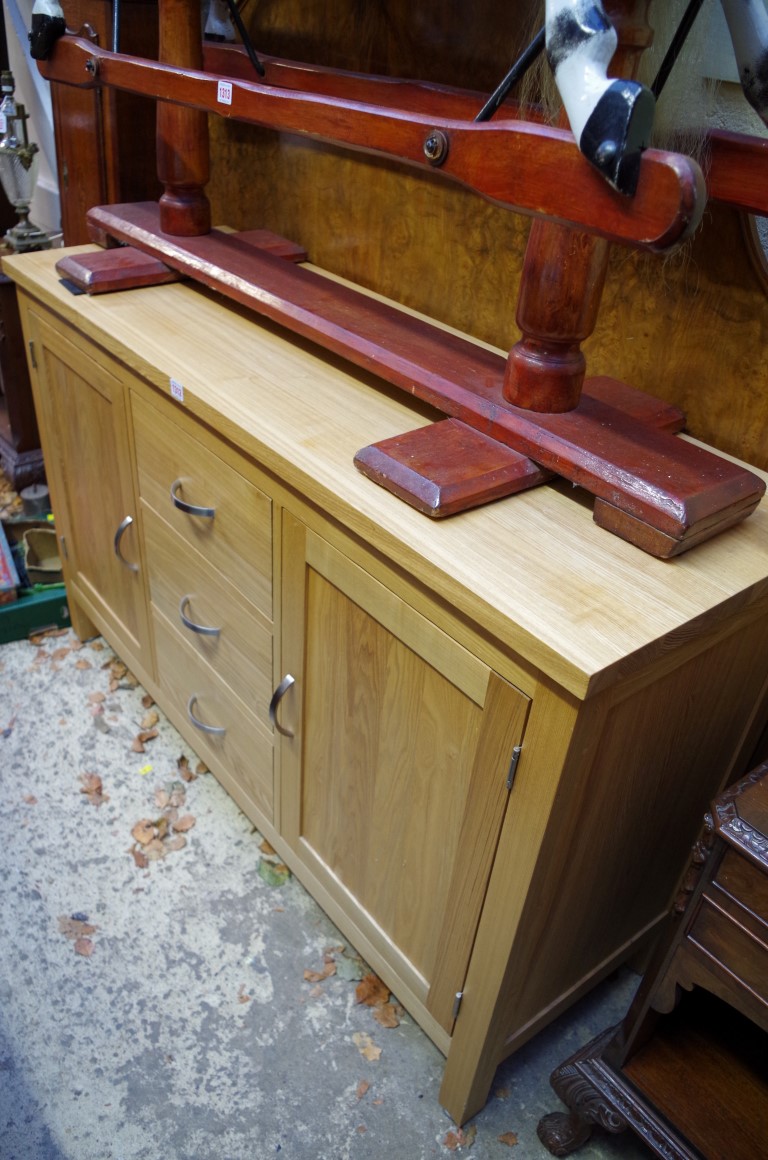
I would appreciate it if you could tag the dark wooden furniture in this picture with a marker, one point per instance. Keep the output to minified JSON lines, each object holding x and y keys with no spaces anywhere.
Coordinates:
{"x":687,"y":1070}
{"x":105,"y":139}
{"x":20,"y":456}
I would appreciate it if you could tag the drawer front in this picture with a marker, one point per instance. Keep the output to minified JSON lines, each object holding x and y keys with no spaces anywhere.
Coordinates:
{"x":230,"y":521}
{"x":743,"y":955}
{"x":241,"y":752}
{"x":745,"y":882}
{"x":183,"y":584}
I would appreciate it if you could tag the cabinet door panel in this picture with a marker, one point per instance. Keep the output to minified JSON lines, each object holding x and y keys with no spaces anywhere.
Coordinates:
{"x":396,"y":777}
{"x":93,"y":483}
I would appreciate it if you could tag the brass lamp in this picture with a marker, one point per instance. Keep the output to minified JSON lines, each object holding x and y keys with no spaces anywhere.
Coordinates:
{"x":18,"y":170}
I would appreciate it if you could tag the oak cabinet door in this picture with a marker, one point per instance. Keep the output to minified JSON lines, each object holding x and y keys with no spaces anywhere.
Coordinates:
{"x":395,"y":777}
{"x":88,"y":460}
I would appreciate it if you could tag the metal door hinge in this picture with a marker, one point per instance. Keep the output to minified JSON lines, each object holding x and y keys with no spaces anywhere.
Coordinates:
{"x":513,"y":766}
{"x":32,"y":357}
{"x":63,"y":544}
{"x":457,"y":1003}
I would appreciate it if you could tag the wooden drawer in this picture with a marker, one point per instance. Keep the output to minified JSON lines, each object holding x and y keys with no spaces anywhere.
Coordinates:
{"x":728,"y":943}
{"x":181,"y":581}
{"x":242,"y":755}
{"x":237,"y":538}
{"x":746,"y":883}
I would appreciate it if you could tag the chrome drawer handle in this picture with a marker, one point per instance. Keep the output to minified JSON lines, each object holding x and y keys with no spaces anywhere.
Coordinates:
{"x":277,"y":697}
{"x":203,"y":629}
{"x":190,"y":508}
{"x":216,"y":730}
{"x":122,"y":529}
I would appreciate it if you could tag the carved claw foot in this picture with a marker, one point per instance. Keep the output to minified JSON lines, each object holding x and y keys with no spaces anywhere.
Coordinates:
{"x":563,"y":1132}
{"x":617,"y":131}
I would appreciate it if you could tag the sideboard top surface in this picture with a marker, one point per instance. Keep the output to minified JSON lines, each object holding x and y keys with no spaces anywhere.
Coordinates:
{"x":534,"y":570}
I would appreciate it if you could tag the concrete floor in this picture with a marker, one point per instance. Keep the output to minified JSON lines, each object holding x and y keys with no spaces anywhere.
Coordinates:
{"x":160,"y":1011}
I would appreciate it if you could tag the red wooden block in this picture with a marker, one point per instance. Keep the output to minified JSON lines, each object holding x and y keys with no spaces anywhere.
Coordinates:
{"x":447,"y":467}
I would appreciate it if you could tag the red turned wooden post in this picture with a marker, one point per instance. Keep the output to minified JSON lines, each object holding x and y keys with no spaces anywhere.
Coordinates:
{"x":564,"y":271}
{"x":182,"y":133}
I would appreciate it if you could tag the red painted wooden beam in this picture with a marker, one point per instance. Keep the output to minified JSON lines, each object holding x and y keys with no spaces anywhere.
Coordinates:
{"x":511,"y":163}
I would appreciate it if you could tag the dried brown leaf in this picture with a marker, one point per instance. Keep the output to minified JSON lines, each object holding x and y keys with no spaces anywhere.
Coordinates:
{"x":147,"y":701}
{"x":177,"y":843}
{"x":137,"y":746}
{"x":201,"y":768}
{"x":388,"y":1015}
{"x":97,"y":698}
{"x":150,"y":719}
{"x":30,"y":799}
{"x":362,"y":1088}
{"x":83,"y":946}
{"x":366,"y":1046}
{"x":147,"y":735}
{"x":162,"y":797}
{"x":90,"y":783}
{"x":144,"y":832}
{"x":155,"y":850}
{"x":75,"y":928}
{"x":266,"y":848}
{"x":182,"y":767}
{"x":509,"y":1138}
{"x":83,"y":664}
{"x":371,"y":991}
{"x":36,"y":637}
{"x":92,"y":787}
{"x":318,"y":976}
{"x":139,"y":857}
{"x":184,"y":824}
{"x":242,"y":997}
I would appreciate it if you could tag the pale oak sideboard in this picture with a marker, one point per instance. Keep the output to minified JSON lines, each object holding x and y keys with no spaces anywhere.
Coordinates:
{"x":503,"y":728}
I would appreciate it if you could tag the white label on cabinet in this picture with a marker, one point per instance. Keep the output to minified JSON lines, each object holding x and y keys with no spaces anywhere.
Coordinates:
{"x":177,"y":390}
{"x":224,"y":94}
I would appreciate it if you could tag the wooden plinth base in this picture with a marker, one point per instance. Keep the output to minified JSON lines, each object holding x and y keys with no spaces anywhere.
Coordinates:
{"x":618,"y":444}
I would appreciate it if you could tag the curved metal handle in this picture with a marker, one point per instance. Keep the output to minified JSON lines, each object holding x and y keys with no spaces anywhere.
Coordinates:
{"x":121,"y":530}
{"x":216,"y":730}
{"x":190,"y":508}
{"x":203,"y":629}
{"x":277,"y":697}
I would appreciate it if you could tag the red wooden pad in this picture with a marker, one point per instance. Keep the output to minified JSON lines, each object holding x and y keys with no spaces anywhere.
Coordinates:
{"x":119,"y":268}
{"x":447,"y":467}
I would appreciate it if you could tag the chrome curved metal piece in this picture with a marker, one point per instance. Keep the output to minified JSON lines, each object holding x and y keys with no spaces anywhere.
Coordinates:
{"x":190,"y":509}
{"x":277,"y":697}
{"x":123,"y":527}
{"x":202,"y":629}
{"x":213,"y":730}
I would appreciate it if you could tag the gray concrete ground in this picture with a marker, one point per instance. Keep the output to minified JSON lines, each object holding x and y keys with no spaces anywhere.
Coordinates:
{"x":153,"y":997}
